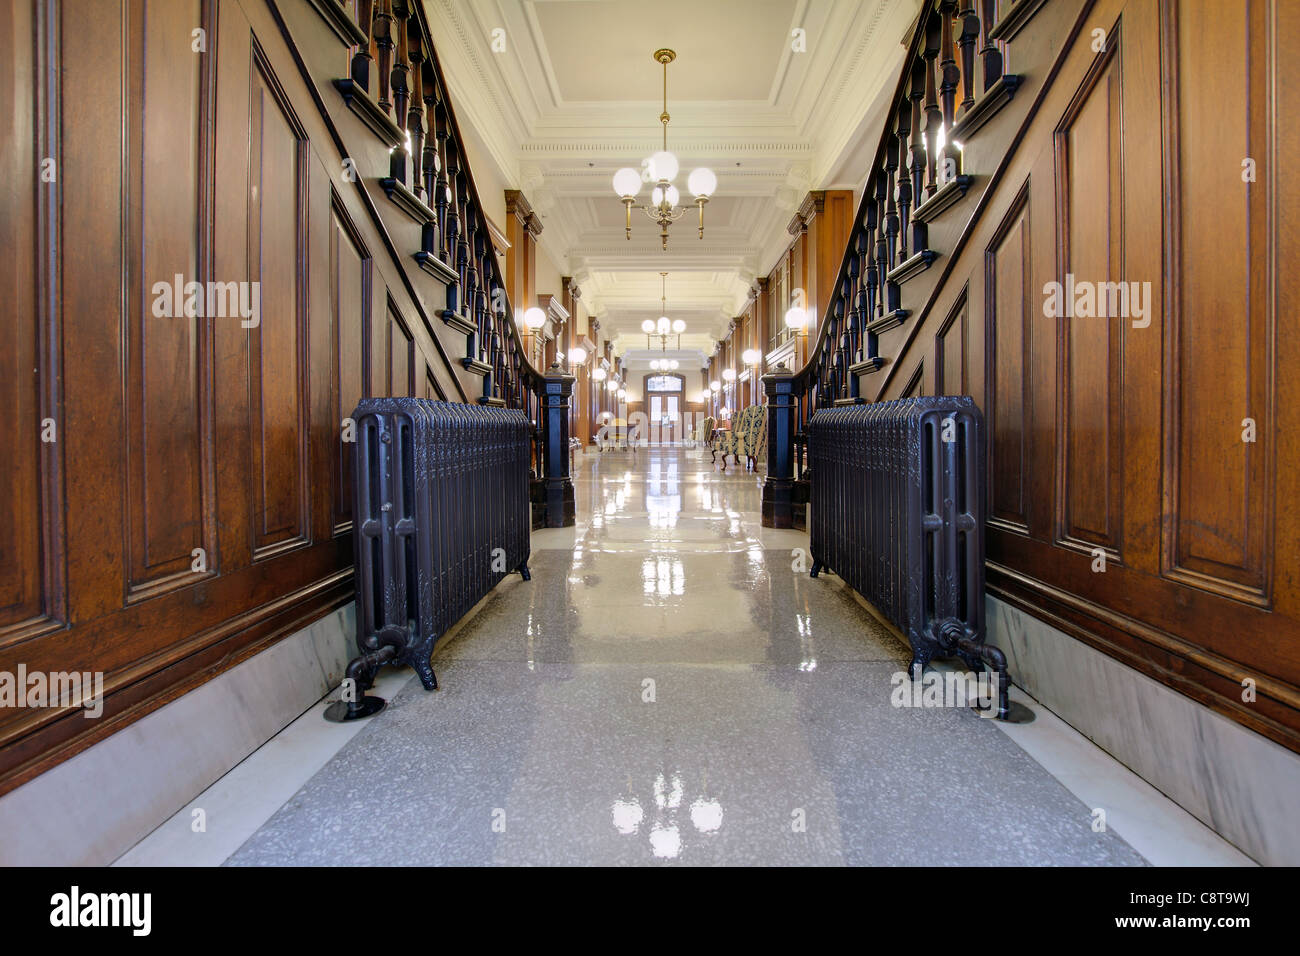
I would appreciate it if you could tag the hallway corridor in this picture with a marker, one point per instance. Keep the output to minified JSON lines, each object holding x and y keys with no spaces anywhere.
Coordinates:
{"x":667,"y":688}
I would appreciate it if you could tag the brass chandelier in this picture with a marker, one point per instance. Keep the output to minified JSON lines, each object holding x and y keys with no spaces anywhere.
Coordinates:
{"x":661,"y":169}
{"x":663,"y":328}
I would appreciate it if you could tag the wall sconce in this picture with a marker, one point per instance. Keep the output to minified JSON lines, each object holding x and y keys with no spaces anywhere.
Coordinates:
{"x":715,"y":386}
{"x":796,"y":319}
{"x":598,"y":374}
{"x":751,"y":357}
{"x":577,"y":355}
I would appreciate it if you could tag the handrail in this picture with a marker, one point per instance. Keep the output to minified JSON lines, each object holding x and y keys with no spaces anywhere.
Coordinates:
{"x":802,"y":376}
{"x":530,"y":375}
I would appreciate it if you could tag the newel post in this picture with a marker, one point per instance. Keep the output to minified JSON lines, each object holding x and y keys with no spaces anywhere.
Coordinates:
{"x":555,"y":454}
{"x":778,"y":487}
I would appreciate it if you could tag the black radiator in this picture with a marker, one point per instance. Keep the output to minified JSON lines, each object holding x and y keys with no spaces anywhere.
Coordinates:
{"x":897,"y":498}
{"x":440,"y":515}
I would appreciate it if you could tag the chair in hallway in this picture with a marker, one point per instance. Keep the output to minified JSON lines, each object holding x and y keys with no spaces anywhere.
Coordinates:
{"x":704,"y":432}
{"x":747,"y":436}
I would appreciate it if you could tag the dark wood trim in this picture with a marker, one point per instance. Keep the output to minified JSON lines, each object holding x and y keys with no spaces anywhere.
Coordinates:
{"x":407,"y":201}
{"x":1015,"y":20}
{"x":376,"y":120}
{"x":951,"y":192}
{"x":986,"y":107}
{"x":337,"y":19}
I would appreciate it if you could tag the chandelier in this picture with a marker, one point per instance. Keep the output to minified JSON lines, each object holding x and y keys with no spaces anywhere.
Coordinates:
{"x":663,"y":328}
{"x":661,"y":169}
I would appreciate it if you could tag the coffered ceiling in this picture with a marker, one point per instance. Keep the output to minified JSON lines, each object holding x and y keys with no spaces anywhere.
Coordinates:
{"x":575,"y":94}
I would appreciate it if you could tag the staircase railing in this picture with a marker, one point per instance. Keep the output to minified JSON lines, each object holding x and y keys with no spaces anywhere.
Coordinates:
{"x":915,"y":174}
{"x":397,"y":85}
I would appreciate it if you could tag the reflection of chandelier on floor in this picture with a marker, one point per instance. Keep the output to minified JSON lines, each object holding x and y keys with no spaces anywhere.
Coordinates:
{"x":663,"y":328}
{"x":661,"y":169}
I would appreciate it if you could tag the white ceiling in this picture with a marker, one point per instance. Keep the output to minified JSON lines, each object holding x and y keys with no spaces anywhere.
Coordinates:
{"x":576,"y":94}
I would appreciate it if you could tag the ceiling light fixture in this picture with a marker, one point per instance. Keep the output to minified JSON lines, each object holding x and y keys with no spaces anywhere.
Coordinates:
{"x":663,"y":328}
{"x":661,"y":169}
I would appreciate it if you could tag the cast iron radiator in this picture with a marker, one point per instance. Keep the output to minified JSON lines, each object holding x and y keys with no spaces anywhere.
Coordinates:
{"x":897,"y":510}
{"x":440,"y":515}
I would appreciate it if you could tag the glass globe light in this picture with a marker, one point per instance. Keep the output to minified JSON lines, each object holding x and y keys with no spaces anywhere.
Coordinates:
{"x":679,"y":326}
{"x":750,"y":357}
{"x":577,"y":356}
{"x":664,"y":325}
{"x":715,"y":385}
{"x":729,"y":374}
{"x":702,"y":182}
{"x":663,"y":166}
{"x":648,"y":326}
{"x":673,"y":196}
{"x":622,"y":393}
{"x":796,"y":318}
{"x":673,"y":364}
{"x":627,"y":182}
{"x":534,"y":318}
{"x":598,"y":374}
{"x":611,"y":385}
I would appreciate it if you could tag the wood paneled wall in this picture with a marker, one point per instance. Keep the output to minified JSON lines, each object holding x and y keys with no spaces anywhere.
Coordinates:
{"x":176,"y":493}
{"x":1121,"y":438}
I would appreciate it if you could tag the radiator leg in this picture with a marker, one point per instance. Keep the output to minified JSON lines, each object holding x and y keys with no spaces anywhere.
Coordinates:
{"x":424,"y":668}
{"x":524,"y":572}
{"x":361,"y":671}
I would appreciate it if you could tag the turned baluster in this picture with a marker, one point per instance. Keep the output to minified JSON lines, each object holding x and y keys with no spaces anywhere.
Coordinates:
{"x":853,"y":289}
{"x":384,"y":49}
{"x":449,"y":198}
{"x":933,"y":115}
{"x":362,"y":60}
{"x":970,"y":31}
{"x":882,"y":241}
{"x":916,"y":152}
{"x":989,"y":52}
{"x":429,"y":160}
{"x":469,"y":274}
{"x":866,"y":290}
{"x":415,"y":116}
{"x":465,"y":213}
{"x":402,"y":64}
{"x":903,"y":187}
{"x":891,"y":208}
{"x":872,"y":280}
{"x":440,"y":196}
{"x":951,"y":75}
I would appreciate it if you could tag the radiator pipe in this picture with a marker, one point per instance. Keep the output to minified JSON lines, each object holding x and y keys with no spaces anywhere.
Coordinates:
{"x":361,"y":671}
{"x":952,"y":636}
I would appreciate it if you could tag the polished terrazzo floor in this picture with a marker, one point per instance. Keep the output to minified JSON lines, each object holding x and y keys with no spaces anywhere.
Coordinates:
{"x":672,"y":687}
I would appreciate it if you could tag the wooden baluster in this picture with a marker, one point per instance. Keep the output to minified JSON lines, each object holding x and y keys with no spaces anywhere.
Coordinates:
{"x":463,"y":241}
{"x":415,"y":116}
{"x":384,"y":46}
{"x":872,"y":280}
{"x":449,"y":197}
{"x":469,"y":271}
{"x":361,"y":59}
{"x":903,"y":188}
{"x":951,"y":74}
{"x":430,"y":160}
{"x":452,"y":224}
{"x":891,"y":209}
{"x":866,"y":287}
{"x":933,"y":115}
{"x":970,"y":31}
{"x":441,"y":197}
{"x":401,"y":75}
{"x":917,"y":153}
{"x":989,"y":52}
{"x":853,"y":293}
{"x":882,"y":240}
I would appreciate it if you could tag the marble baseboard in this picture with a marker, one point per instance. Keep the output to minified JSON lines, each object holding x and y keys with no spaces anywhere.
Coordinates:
{"x":91,"y":809}
{"x":1239,"y":783}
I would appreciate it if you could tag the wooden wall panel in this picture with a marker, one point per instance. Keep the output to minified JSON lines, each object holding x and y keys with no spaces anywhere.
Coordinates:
{"x":401,"y":355}
{"x":166,"y":355}
{"x":1007,"y":407}
{"x":1217,"y":509}
{"x":350,"y":269}
{"x":277,"y":377}
{"x":31,"y":537}
{"x":1090,"y":255}
{"x":950,"y":351}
